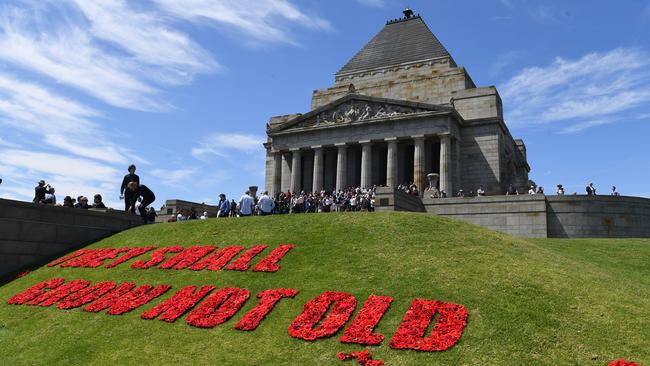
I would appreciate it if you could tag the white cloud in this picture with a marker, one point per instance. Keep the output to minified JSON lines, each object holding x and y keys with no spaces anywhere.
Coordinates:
{"x":143,"y":52}
{"x":58,"y":121}
{"x":262,"y":20}
{"x":224,"y":144}
{"x":177,"y":177}
{"x":580,"y":93}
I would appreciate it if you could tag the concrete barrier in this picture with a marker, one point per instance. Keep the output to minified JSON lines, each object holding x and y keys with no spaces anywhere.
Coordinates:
{"x":520,"y":215}
{"x":32,"y":234}
{"x":598,"y":217}
{"x":539,"y":216}
{"x":388,"y":199}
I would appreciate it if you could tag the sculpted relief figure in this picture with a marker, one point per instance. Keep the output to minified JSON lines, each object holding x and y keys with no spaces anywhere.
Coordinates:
{"x":367,"y":112}
{"x":350,"y":114}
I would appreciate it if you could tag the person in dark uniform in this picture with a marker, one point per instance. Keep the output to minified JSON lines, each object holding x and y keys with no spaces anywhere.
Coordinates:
{"x":140,"y":191}
{"x":125,"y":193}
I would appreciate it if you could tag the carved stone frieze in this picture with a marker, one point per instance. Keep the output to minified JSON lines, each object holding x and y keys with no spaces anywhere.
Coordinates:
{"x":353,"y":111}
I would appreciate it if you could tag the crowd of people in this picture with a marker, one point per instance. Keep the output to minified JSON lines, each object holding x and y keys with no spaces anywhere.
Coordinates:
{"x":512,"y":190}
{"x":348,"y":200}
{"x":45,"y":194}
{"x":136,"y":196}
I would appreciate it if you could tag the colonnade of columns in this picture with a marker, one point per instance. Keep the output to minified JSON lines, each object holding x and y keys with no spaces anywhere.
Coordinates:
{"x":289,"y":166}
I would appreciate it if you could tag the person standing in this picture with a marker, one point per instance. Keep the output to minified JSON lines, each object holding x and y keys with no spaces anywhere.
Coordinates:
{"x":266,"y":204}
{"x":125,"y":193}
{"x":140,"y":191}
{"x":246,"y":204}
{"x":224,"y":206}
{"x":560,"y":190}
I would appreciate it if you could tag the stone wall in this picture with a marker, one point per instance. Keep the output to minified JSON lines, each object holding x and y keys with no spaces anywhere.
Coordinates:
{"x":538,"y":216}
{"x":32,"y":234}
{"x":598,"y":217}
{"x":480,"y":158}
{"x":431,"y":81}
{"x":388,"y":199}
{"x":522,"y":215}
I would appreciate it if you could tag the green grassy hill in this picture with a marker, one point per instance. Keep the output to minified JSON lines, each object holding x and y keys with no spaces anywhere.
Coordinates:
{"x":530,"y":302}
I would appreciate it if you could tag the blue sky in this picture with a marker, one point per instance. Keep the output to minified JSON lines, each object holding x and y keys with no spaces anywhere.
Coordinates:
{"x":183,"y":89}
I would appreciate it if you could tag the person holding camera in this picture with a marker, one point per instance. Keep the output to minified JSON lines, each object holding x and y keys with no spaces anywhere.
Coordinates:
{"x":125,"y":193}
{"x":41,"y":190}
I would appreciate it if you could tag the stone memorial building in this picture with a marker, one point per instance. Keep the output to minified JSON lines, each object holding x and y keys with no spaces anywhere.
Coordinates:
{"x":399,"y":110}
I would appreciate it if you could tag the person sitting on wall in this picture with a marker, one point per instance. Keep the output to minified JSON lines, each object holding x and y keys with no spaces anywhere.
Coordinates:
{"x":480,"y":192}
{"x":50,"y":198}
{"x":531,"y":190}
{"x":97,"y":202}
{"x":124,"y":192}
{"x":67,"y":202}
{"x":540,"y":190}
{"x":224,"y":206}
{"x":591,"y":190}
{"x":460,"y":193}
{"x":83,"y":203}
{"x":143,"y":192}
{"x":559,"y":190}
{"x":511,"y":190}
{"x":614,"y":192}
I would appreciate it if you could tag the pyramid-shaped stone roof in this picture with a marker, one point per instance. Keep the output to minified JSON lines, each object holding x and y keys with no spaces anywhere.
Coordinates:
{"x":400,"y":41}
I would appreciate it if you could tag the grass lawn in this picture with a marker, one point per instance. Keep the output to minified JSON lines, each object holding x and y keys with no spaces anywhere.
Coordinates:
{"x":530,"y":302}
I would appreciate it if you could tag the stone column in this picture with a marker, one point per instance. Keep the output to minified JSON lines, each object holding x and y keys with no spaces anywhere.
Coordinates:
{"x":318,"y":169}
{"x":341,"y":166}
{"x":391,"y":163}
{"x":285,"y":184}
{"x":418,"y":162}
{"x":276,"y":182}
{"x":366,"y":164}
{"x":445,"y":165}
{"x":296,"y":176}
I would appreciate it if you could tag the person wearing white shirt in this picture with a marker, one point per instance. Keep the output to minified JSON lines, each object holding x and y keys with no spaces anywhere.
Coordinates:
{"x":204,"y":216}
{"x":246,"y":204}
{"x":266,"y":204}
{"x":531,"y":190}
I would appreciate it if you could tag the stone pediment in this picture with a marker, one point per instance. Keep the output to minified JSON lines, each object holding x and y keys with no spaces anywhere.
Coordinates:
{"x":356,"y":108}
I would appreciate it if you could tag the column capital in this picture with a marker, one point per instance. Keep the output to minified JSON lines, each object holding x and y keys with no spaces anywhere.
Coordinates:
{"x":365,"y":142}
{"x":390,"y":139}
{"x":418,"y":137}
{"x":317,"y":147}
{"x":295,"y":149}
{"x":445,"y":135}
{"x":341,"y":144}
